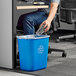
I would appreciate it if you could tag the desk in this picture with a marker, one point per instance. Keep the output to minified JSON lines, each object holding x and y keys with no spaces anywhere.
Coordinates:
{"x":31,"y":7}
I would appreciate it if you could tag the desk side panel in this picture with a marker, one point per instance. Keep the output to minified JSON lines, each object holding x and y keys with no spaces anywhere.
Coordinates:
{"x":6,"y":33}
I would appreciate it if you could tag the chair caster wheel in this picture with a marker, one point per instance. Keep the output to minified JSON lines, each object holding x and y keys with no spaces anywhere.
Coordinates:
{"x":64,"y":54}
{"x":49,"y":51}
{"x":57,"y":40}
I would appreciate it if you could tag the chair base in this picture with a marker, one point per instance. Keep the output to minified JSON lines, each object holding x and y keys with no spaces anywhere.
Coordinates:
{"x":64,"y":54}
{"x":66,"y":37}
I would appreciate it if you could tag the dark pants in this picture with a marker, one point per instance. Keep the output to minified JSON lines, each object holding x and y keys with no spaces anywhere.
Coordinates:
{"x":32,"y":20}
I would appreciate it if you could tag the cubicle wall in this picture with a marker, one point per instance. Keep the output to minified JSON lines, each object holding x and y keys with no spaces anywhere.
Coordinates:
{"x":6,"y":33}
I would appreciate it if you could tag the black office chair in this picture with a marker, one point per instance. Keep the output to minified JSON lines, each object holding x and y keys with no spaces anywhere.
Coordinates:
{"x":68,"y":15}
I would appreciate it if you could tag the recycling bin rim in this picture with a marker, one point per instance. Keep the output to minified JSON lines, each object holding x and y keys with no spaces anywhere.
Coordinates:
{"x":32,"y":36}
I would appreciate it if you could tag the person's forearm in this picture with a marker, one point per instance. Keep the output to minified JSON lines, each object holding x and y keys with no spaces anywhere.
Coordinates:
{"x":53,"y":9}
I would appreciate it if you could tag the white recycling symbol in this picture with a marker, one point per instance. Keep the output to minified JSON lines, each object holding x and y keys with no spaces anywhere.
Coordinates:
{"x":41,"y":49}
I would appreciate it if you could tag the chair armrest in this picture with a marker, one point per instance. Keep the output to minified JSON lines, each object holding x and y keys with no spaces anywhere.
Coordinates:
{"x":68,"y":9}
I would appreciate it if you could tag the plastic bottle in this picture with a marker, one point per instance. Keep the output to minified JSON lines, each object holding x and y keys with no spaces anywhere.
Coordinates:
{"x":41,"y":30}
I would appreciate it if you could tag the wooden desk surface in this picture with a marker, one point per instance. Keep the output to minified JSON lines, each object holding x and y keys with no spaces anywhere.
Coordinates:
{"x":31,"y":7}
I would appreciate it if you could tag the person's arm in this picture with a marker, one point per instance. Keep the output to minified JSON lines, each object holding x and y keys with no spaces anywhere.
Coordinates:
{"x":53,"y":9}
{"x":52,"y":12}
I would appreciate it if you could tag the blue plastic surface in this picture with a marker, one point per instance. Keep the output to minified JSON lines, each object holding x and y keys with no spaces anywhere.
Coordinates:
{"x":33,"y":53}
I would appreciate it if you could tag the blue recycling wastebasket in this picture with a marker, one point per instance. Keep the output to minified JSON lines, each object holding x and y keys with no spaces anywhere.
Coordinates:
{"x":33,"y":52}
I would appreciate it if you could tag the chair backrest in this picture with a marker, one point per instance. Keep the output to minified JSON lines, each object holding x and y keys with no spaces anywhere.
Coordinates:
{"x":68,"y":16}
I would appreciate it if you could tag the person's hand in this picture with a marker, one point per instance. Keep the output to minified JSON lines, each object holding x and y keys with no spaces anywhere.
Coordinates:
{"x":46,"y":23}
